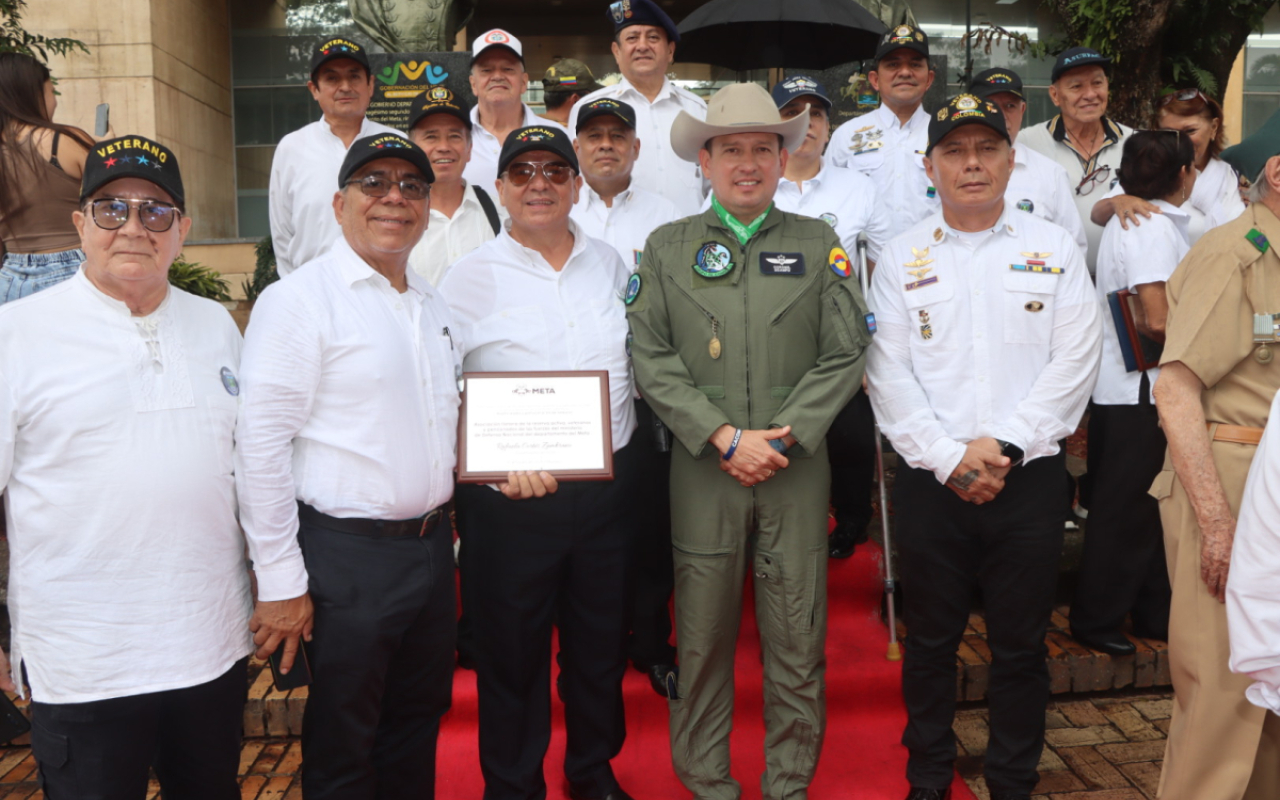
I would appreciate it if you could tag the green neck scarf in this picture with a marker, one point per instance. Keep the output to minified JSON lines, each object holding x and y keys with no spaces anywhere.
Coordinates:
{"x":743,"y":232}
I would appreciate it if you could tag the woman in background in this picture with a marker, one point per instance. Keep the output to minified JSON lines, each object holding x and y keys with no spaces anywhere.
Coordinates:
{"x":40,"y":167}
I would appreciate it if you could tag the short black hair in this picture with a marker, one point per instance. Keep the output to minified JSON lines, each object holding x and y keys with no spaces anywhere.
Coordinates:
{"x":554,"y":99}
{"x":1153,"y":161}
{"x":782,"y":142}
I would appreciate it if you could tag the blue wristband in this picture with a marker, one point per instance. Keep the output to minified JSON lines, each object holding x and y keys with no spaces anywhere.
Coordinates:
{"x":737,"y":437}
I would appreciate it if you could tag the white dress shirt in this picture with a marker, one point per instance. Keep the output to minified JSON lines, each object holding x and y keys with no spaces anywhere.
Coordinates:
{"x":482,"y":169}
{"x":350,"y":405}
{"x":127,"y":572}
{"x":1048,"y":139}
{"x":658,"y":169}
{"x":304,"y":178}
{"x":891,"y":154}
{"x":1042,"y":187}
{"x":1215,"y":199}
{"x":627,"y":224}
{"x":981,"y":348}
{"x":1253,"y":604}
{"x":1146,"y":253}
{"x":519,"y":314}
{"x":448,"y":239}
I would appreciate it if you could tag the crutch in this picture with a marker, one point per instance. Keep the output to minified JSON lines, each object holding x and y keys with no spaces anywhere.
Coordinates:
{"x":895,"y":652}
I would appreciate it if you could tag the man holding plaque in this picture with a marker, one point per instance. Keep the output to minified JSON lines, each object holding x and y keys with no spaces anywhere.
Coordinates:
{"x":541,"y":297}
{"x":750,"y":335}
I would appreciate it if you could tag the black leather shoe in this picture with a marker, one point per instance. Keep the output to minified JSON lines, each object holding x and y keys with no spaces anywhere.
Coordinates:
{"x":918,"y":793}
{"x":616,"y":794}
{"x":842,"y":542}
{"x":1113,"y":644}
{"x":658,"y":677}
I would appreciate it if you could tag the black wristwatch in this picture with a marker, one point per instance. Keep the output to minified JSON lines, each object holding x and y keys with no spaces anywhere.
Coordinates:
{"x":1011,"y":451}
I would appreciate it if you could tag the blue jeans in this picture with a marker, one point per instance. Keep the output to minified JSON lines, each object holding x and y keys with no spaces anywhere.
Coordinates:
{"x":24,"y":274}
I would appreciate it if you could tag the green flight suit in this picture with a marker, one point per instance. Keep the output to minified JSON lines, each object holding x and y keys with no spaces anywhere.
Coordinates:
{"x":793,"y":333}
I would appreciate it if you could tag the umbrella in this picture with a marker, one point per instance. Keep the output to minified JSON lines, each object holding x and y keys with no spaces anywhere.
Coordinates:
{"x":796,"y":34}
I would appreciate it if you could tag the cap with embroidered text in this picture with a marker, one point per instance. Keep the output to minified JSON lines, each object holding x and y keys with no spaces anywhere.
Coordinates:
{"x":903,"y":36}
{"x":132,"y":157}
{"x":995,"y":81}
{"x":533,"y":138}
{"x":332,"y":49}
{"x":625,"y":13}
{"x":961,"y":110}
{"x":799,"y":86}
{"x":496,"y":38}
{"x":1074,"y":57}
{"x":383,"y":145}
{"x":606,"y":107}
{"x":438,"y":99}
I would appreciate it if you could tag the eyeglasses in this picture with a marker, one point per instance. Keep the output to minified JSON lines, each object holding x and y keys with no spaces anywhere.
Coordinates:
{"x":1182,"y":95}
{"x":375,"y":186}
{"x":1091,"y":180}
{"x":557,"y":172}
{"x":111,"y":213}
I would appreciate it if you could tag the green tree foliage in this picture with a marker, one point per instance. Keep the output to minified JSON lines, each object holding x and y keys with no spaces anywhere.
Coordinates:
{"x":16,"y":39}
{"x":264,"y":271}
{"x":190,"y":276}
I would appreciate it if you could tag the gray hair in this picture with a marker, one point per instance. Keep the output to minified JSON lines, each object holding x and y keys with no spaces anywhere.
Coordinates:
{"x":1260,"y":188}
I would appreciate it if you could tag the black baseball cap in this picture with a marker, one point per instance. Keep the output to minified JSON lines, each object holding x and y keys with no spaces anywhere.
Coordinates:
{"x":996,"y":80}
{"x":383,"y":145}
{"x":905,"y":35}
{"x":336,"y":48}
{"x":438,"y":99}
{"x":1078,"y":57}
{"x":132,"y":157}
{"x":606,"y":107}
{"x":537,"y":137}
{"x":625,"y":13}
{"x":965,"y":109}
{"x":799,"y":86}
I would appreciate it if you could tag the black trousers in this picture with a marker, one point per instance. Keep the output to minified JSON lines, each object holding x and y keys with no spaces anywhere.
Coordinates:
{"x":561,"y":559}
{"x":1009,"y":549}
{"x":1122,"y":568}
{"x":851,"y":446}
{"x":381,"y":661}
{"x":104,"y":749}
{"x":655,"y":578}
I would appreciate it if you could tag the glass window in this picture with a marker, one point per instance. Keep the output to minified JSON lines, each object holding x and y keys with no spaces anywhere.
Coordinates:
{"x":1262,"y":74}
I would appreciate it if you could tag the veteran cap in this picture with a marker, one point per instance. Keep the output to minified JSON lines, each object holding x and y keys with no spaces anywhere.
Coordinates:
{"x":625,"y":13}
{"x":438,"y":99}
{"x":1253,"y":153}
{"x":799,"y":86}
{"x":496,"y":38}
{"x":996,"y":80}
{"x":964,"y":109}
{"x":339,"y":47}
{"x":383,"y":145}
{"x":1078,"y":57}
{"x":606,"y":107}
{"x":132,"y":157}
{"x":569,"y":75}
{"x":536,"y":137}
{"x":908,"y":36}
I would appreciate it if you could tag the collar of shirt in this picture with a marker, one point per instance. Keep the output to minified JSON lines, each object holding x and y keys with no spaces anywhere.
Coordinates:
{"x":590,"y":197}
{"x":367,"y":128}
{"x":353,"y":269}
{"x":890,"y":120}
{"x":814,"y":182}
{"x":118,"y":306}
{"x":1111,"y":132}
{"x":533,"y":262}
{"x":1003,"y":225}
{"x":1177,"y":215}
{"x":469,"y":201}
{"x":626,"y":88}
{"x":530,"y":118}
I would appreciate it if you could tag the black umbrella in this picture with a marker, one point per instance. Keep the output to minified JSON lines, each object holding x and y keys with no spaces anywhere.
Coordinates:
{"x":797,"y":34}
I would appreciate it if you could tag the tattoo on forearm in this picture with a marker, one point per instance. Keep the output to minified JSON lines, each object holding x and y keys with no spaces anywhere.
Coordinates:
{"x":965,"y":481}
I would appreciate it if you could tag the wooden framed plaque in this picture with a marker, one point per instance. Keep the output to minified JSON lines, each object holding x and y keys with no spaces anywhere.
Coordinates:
{"x":557,"y":422}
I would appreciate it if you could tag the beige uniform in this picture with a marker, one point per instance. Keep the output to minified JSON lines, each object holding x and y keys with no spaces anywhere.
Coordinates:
{"x":1217,"y":736}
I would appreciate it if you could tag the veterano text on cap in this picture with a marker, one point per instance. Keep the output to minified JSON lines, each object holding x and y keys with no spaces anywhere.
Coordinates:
{"x":331,"y":49}
{"x":799,"y":86}
{"x":626,"y":13}
{"x":607,"y":107}
{"x":961,"y":110}
{"x":383,"y":145}
{"x":996,"y":80}
{"x":133,"y":157}
{"x":533,"y":138}
{"x":908,"y":36}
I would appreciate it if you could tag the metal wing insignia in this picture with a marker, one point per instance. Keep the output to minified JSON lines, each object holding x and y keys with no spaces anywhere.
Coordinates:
{"x":781,"y":261}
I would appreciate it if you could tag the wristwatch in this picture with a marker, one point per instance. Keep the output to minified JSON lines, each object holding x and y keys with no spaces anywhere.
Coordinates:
{"x":1011,"y":451}
{"x":779,"y":445}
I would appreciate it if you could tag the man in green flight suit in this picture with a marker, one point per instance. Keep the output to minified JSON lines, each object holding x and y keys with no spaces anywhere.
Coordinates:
{"x":749,"y":335}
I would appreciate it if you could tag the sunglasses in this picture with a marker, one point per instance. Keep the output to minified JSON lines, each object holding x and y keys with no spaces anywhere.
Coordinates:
{"x":1182,"y":95}
{"x":375,"y":186}
{"x":1090,"y":181}
{"x":111,"y":213}
{"x":556,"y":172}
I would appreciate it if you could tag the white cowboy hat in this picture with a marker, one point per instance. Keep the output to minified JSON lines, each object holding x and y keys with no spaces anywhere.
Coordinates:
{"x":737,"y":108}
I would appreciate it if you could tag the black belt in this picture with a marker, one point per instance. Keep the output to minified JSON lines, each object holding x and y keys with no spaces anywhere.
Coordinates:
{"x":376,"y":528}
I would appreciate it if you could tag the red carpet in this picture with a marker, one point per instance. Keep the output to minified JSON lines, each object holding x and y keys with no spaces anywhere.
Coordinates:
{"x":861,"y":759}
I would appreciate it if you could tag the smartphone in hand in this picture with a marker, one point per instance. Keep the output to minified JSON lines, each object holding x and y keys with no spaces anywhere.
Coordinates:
{"x":298,"y":676}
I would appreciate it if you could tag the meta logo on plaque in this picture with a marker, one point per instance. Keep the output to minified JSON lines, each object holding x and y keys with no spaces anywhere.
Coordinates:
{"x":552,"y":421}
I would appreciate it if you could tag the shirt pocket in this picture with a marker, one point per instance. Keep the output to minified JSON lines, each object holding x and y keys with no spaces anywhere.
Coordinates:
{"x":866,"y":161}
{"x":1028,"y":307}
{"x":933,"y":318}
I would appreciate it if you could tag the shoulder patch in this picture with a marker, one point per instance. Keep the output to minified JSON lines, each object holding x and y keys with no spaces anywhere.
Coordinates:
{"x":839,"y":262}
{"x":633,"y":289}
{"x":1258,"y":240}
